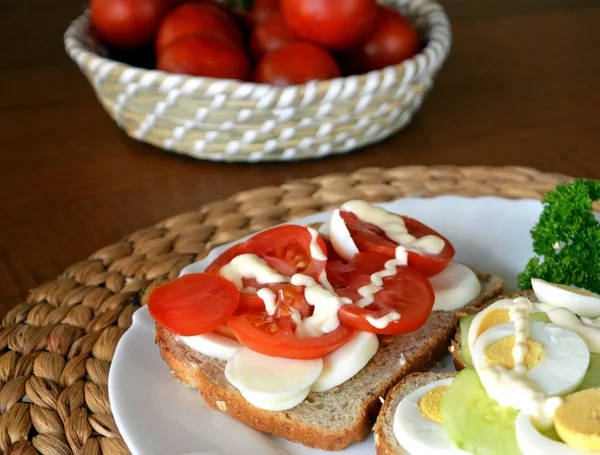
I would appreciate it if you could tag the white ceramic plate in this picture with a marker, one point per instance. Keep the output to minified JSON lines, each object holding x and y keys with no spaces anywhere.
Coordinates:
{"x":157,"y":415}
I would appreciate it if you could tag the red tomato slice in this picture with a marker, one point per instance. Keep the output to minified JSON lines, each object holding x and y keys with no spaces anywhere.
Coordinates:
{"x":193,"y":304}
{"x":287,"y":250}
{"x":275,"y":337}
{"x":408,"y":292}
{"x":369,"y":237}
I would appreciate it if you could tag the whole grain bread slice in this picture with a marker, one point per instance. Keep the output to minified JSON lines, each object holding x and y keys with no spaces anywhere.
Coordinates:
{"x":455,"y":347}
{"x":334,"y":419}
{"x":386,"y":442}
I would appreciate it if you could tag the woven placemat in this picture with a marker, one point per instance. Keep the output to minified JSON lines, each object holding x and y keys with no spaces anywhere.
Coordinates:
{"x":57,"y":346}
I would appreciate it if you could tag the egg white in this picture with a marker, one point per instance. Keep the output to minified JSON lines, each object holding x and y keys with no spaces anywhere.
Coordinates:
{"x":579,"y":301}
{"x":454,"y":287}
{"x":503,"y":304}
{"x":532,"y":442}
{"x":418,"y":434}
{"x":340,"y":237}
{"x":563,"y":364}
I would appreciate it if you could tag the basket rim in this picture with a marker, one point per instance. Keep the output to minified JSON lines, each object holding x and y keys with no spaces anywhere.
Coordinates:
{"x":437,"y":23}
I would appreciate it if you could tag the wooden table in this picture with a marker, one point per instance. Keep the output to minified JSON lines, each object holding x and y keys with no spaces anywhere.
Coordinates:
{"x":521,"y":88}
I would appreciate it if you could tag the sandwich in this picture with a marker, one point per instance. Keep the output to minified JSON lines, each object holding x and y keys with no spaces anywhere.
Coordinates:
{"x":300,"y":333}
{"x":528,"y":380}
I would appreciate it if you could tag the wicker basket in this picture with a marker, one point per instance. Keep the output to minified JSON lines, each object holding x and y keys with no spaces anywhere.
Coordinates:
{"x":226,"y":120}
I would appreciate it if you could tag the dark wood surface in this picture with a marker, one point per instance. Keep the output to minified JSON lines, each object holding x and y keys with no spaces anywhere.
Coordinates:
{"x":521,"y":87}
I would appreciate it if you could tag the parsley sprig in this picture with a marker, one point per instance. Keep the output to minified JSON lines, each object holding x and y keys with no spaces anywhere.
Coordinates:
{"x":566,"y":239}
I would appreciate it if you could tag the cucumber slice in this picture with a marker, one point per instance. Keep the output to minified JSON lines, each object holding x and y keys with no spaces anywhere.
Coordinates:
{"x":540,"y":317}
{"x":592,"y":376}
{"x":463,"y":327}
{"x":476,"y":423}
{"x":465,"y":324}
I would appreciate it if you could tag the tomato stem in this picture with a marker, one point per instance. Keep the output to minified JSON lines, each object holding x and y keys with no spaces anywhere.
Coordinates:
{"x":244,"y":4}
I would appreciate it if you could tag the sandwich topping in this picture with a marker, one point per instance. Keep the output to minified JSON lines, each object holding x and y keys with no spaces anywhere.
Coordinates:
{"x":531,"y":386}
{"x":302,"y":308}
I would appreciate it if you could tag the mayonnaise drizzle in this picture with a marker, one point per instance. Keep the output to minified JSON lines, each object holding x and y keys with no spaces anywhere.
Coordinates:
{"x":251,"y":266}
{"x":519,"y":313}
{"x":393,"y":227}
{"x":315,"y":249}
{"x":512,"y":387}
{"x":509,"y":388}
{"x":384,"y":321}
{"x":326,"y":304}
{"x":368,"y":291}
{"x":590,"y":333}
{"x":269,"y":298}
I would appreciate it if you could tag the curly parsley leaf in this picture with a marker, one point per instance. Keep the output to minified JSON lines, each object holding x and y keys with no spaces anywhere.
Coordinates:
{"x":566,"y":239}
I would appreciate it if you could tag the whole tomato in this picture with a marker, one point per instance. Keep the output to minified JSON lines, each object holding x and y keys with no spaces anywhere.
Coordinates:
{"x":128,"y":24}
{"x":262,"y":9}
{"x":198,"y":18}
{"x":393,"y":40}
{"x":204,"y":55}
{"x":296,"y":63}
{"x":333,"y":24}
{"x":270,"y":34}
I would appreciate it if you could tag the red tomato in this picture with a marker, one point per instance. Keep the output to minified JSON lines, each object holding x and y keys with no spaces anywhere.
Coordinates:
{"x":334,"y":24}
{"x":408,"y":292}
{"x":393,"y":40}
{"x":225,"y":331}
{"x":270,"y":34}
{"x":285,"y":248}
{"x":193,"y":304}
{"x":275,"y":337}
{"x":295,"y":64}
{"x":369,"y":237}
{"x":203,"y":55}
{"x":128,"y":24}
{"x":202,"y":18}
{"x":262,"y":9}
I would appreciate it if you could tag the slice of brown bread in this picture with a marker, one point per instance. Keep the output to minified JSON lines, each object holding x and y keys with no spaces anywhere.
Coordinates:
{"x":385,"y":439}
{"x":334,"y":419}
{"x":455,"y":347}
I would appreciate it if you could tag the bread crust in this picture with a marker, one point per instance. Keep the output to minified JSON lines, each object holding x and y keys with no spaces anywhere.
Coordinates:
{"x":355,"y":404}
{"x":385,"y":440}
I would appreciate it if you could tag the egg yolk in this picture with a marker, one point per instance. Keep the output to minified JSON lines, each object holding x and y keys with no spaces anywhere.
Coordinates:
{"x":492,"y":319}
{"x":577,"y":420}
{"x":429,"y":404}
{"x":500,"y":353}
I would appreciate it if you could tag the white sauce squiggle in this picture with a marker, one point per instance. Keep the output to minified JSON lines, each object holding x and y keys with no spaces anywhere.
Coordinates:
{"x":326,"y":304}
{"x":251,"y":266}
{"x":519,"y":313}
{"x":368,"y":291}
{"x":315,"y":249}
{"x":394,"y":228}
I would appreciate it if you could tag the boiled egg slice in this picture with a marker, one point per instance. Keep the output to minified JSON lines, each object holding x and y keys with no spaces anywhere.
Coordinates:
{"x":579,"y":301}
{"x":343,"y":363}
{"x":577,"y":420}
{"x":340,"y":237}
{"x":418,"y":422}
{"x":212,"y":345}
{"x":454,"y":287}
{"x":495,"y":314}
{"x":564,"y":317}
{"x":557,"y":359}
{"x":271,"y":383}
{"x":532,"y":442}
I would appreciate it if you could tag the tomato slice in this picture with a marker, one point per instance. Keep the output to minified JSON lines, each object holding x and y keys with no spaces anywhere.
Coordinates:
{"x":287,"y":249}
{"x":408,"y":292}
{"x":274,"y":336}
{"x":369,"y":237}
{"x":193,"y":304}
